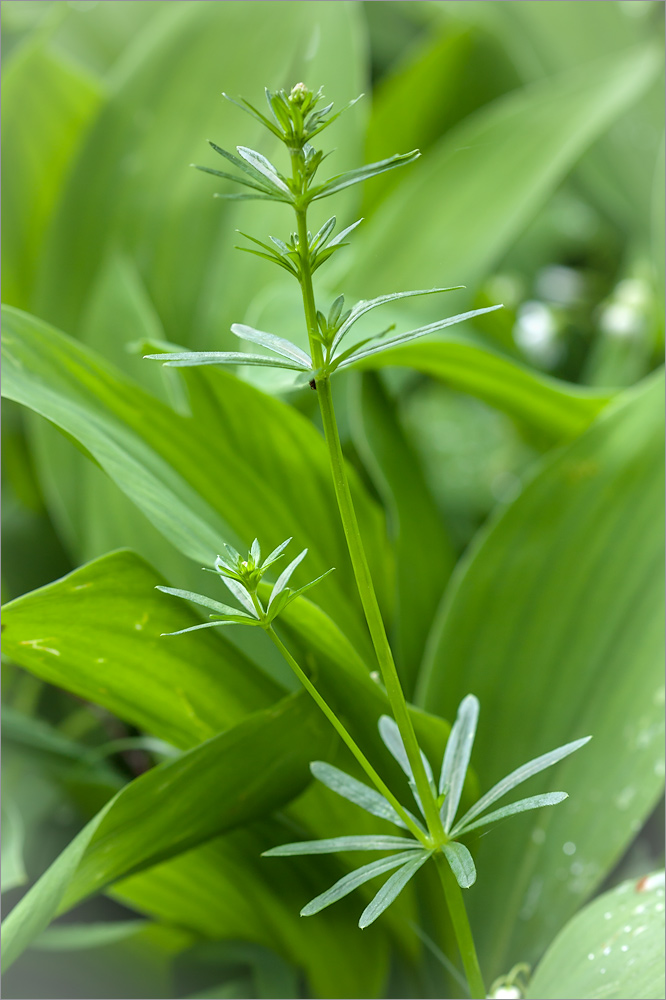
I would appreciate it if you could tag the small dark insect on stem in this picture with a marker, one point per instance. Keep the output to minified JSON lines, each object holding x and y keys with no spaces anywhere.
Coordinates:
{"x":312,"y":384}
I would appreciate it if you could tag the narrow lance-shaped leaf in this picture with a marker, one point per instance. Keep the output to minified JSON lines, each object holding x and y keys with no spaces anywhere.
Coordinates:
{"x":232,"y":177}
{"x":337,"y":240}
{"x":523,"y":805}
{"x":277,"y":256}
{"x":264,"y":167}
{"x":342,"y":181}
{"x":238,"y":619}
{"x":233,"y":196}
{"x":249,"y":169}
{"x":462,"y":864}
{"x":322,"y":234}
{"x":271,"y":256}
{"x":355,"y":791}
{"x":240,"y":593}
{"x":518,"y":776}
{"x":287,"y":595}
{"x":193,"y":359}
{"x":312,"y":583}
{"x":456,"y":758}
{"x":423,"y":331}
{"x":329,"y":121}
{"x":273,"y":343}
{"x":391,"y":889}
{"x":205,"y":602}
{"x":249,"y":109}
{"x":336,"y":845}
{"x":366,"y":305}
{"x":390,"y":734}
{"x":285,"y":576}
{"x":275,"y":554}
{"x":226,"y":782}
{"x":352,"y":881}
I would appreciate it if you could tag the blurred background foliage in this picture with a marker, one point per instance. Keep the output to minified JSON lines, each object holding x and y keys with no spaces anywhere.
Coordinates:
{"x":540,"y":186}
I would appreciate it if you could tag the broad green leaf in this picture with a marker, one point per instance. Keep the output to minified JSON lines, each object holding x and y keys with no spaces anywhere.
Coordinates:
{"x":355,"y":791}
{"x":523,"y":805}
{"x":559,"y":409}
{"x":442,"y":77}
{"x":507,"y":158}
{"x":97,"y":633}
{"x":559,"y":604}
{"x":164,"y":103}
{"x":75,"y":490}
{"x":75,"y":937}
{"x":225,"y":890}
{"x":225,"y":782}
{"x":462,"y":864}
{"x":519,"y":775}
{"x":613,"y":948}
{"x":335,"y":845}
{"x":205,"y":478}
{"x":35,"y":733}
{"x":391,"y":888}
{"x":349,"y":882}
{"x":457,"y":757}
{"x":268,"y":975}
{"x":415,"y":523}
{"x":615,"y":173}
{"x":13,"y":865}
{"x":48,"y":105}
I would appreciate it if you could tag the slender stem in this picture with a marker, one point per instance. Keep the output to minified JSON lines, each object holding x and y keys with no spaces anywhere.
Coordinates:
{"x":373,"y":617}
{"x":371,"y":608}
{"x":463,"y":932}
{"x":307,"y":289}
{"x":346,"y":737}
{"x":355,"y":544}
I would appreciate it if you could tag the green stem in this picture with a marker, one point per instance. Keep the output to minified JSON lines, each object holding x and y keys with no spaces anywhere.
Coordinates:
{"x":373,"y":616}
{"x":355,"y":545}
{"x":371,"y":608}
{"x":461,"y":927}
{"x":345,"y":736}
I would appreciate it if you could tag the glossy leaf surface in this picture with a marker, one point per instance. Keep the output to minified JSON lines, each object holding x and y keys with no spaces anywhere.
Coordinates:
{"x":226,"y":782}
{"x":613,"y":948}
{"x":558,"y":605}
{"x":97,"y":633}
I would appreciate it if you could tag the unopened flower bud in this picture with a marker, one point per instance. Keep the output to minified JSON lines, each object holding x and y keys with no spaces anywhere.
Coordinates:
{"x":298,"y":93}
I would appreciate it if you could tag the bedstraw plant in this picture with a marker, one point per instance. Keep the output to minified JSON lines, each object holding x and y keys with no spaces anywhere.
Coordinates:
{"x":433,"y":833}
